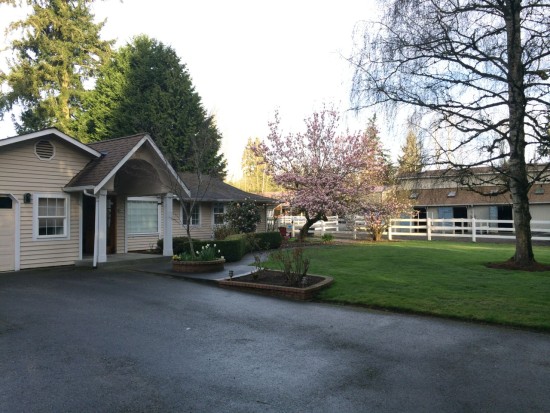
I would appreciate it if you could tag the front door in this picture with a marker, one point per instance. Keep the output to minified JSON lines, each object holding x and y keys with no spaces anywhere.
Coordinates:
{"x":7,"y":234}
{"x":88,"y":225}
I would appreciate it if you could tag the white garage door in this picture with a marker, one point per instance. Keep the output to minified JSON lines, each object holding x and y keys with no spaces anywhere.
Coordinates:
{"x":7,"y":234}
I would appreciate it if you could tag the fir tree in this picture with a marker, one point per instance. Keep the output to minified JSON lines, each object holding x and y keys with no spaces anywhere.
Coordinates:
{"x":411,"y":160}
{"x":60,"y":49}
{"x":146,"y":88}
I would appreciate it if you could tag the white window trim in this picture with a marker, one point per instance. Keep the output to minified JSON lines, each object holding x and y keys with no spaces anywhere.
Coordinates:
{"x":213,"y":215}
{"x":143,"y":199}
{"x":67,"y":226}
{"x":182,"y":214}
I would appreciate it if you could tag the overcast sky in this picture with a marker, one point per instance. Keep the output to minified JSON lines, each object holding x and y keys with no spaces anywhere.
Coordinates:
{"x":247,"y":58}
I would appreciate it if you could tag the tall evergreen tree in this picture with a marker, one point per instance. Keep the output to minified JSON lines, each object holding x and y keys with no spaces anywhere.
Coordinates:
{"x":146,"y":88}
{"x":59,"y":51}
{"x":411,"y":160}
{"x":372,"y":134}
{"x":255,"y":177}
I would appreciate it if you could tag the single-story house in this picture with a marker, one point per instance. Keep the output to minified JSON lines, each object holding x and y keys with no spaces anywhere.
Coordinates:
{"x":62,"y":200}
{"x":439,"y":194}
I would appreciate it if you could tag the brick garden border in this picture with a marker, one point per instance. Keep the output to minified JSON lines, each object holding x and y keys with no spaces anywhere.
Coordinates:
{"x":295,"y":293}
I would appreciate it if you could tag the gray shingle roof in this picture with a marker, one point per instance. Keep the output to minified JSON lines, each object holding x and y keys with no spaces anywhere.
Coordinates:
{"x":214,"y":189}
{"x":113,"y":151}
{"x":440,"y":196}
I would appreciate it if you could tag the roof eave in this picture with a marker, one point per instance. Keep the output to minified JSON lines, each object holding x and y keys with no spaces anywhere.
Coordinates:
{"x":50,"y":131}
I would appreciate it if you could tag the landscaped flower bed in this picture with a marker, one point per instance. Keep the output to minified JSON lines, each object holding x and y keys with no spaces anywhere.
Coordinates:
{"x":272,"y":283}
{"x":204,"y":260}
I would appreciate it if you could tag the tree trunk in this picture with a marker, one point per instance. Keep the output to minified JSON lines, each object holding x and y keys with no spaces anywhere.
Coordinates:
{"x":376,"y":234}
{"x":309,"y":223}
{"x":304,"y":230}
{"x":519,"y":186}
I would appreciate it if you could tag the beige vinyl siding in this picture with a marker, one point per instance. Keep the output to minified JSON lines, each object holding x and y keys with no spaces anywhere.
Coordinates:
{"x":203,"y":231}
{"x":23,"y":172}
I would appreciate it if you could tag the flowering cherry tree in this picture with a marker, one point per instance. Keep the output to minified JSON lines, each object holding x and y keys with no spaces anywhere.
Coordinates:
{"x":322,"y":171}
{"x":377,"y":212}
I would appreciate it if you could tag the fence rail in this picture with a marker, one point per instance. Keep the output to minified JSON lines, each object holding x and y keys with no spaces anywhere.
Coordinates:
{"x":428,"y":228}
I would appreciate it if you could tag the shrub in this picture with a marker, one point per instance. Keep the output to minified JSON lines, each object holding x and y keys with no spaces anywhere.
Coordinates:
{"x":179,"y":244}
{"x":292,"y":264}
{"x":327,"y":238}
{"x":208,"y":252}
{"x":233,"y":247}
{"x":221,"y":232}
{"x":243,"y":216}
{"x":270,"y":240}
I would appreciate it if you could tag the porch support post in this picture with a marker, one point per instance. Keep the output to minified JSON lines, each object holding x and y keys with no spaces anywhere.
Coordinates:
{"x":167,"y":201}
{"x":101,"y":233}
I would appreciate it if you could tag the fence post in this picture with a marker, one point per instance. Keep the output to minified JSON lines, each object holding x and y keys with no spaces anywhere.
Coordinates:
{"x":322,"y":228}
{"x":429,"y":228}
{"x":474,"y":229}
{"x":389,"y":231}
{"x":292,"y":229}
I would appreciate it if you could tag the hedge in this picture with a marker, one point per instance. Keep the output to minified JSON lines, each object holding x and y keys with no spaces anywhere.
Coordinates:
{"x":234,"y":247}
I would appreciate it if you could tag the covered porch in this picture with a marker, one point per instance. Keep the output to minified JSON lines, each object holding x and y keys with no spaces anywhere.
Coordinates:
{"x":129,"y":168}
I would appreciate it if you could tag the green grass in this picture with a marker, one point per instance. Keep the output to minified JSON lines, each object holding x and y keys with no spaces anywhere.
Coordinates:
{"x":446,"y":279}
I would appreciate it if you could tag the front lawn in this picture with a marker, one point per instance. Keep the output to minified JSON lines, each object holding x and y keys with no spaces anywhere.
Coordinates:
{"x":441,"y":278}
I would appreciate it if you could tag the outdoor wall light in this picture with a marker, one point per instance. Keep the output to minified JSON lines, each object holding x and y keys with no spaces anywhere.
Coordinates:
{"x":27,"y":198}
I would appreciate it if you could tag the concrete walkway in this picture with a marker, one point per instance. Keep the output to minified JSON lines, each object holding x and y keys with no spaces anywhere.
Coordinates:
{"x":239,"y":268}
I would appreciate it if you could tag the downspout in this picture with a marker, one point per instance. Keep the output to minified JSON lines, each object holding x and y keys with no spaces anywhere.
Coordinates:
{"x":96,"y":226}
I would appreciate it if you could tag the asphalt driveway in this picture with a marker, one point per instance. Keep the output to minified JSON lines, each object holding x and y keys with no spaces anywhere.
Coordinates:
{"x":123,"y":341}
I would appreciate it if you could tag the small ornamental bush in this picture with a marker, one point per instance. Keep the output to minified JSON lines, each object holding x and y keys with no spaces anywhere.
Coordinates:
{"x":243,"y":216}
{"x":292,"y":264}
{"x":327,"y":238}
{"x":221,"y":232}
{"x":232,"y":248}
{"x":270,"y":240}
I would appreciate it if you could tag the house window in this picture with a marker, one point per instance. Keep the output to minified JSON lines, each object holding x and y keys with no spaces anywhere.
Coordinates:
{"x":50,"y":216}
{"x":218,"y":210}
{"x":5,"y":202}
{"x":195,"y":214}
{"x":143,"y":216}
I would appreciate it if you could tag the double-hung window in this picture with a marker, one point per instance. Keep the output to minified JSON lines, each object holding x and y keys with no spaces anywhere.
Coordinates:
{"x":218,"y":210}
{"x":143,"y":216}
{"x":195,"y":214}
{"x":50,"y":215}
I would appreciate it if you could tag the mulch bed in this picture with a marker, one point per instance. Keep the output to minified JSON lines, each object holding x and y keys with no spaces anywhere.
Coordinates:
{"x":268,"y":277}
{"x":511,"y":265}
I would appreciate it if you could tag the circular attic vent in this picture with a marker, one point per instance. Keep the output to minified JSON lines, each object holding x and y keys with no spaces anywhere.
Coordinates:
{"x":44,"y":150}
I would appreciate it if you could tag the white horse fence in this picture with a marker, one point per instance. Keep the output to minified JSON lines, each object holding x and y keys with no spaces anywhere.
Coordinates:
{"x":428,"y":228}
